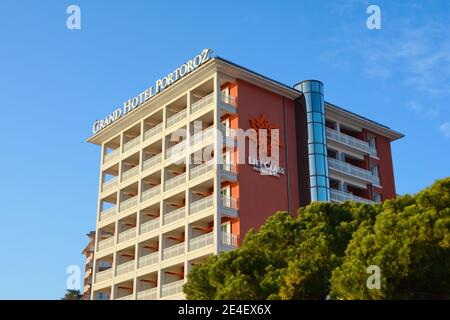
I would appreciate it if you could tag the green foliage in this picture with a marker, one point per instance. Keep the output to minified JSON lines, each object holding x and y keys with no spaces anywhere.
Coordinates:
{"x":410,"y":242}
{"x":327,"y":248}
{"x":72,"y":295}
{"x":288,"y":258}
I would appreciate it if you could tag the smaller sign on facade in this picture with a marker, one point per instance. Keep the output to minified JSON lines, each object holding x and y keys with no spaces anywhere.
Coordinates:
{"x":265,"y":167}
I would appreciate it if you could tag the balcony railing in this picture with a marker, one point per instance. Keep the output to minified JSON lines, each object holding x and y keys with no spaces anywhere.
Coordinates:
{"x":131,"y":144}
{"x":127,"y":204}
{"x":229,"y":239}
{"x":105,"y":244}
{"x":151,"y":193}
{"x":342,"y":196}
{"x":103,"y":275}
{"x":353,"y":170}
{"x":202,"y":169}
{"x":87,"y":273}
{"x":176,"y":150}
{"x":149,"y":226}
{"x":201,"y":205}
{"x":110,"y":156}
{"x":124,"y":268}
{"x":149,"y":294}
{"x":230,"y":202}
{"x":351,"y":141}
{"x":173,"y":216}
{"x":149,"y":260}
{"x":89,"y":258}
{"x":152,"y":162}
{"x":127,"y":235}
{"x":229,"y":167}
{"x":203,"y":135}
{"x":108,"y":213}
{"x":107,"y":185}
{"x":152,"y":132}
{"x":228,"y":99}
{"x":173,"y":251}
{"x":175,"y":181}
{"x":176,"y":118}
{"x":172,"y":288}
{"x":130,"y":173}
{"x":201,"y":241}
{"x":202,"y":103}
{"x":128,"y":297}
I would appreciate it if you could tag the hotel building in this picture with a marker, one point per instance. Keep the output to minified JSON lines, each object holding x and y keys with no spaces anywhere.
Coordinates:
{"x":158,"y":217}
{"x":88,"y":252}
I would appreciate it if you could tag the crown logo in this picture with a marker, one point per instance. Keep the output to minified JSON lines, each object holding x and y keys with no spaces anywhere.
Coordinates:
{"x":262,"y":122}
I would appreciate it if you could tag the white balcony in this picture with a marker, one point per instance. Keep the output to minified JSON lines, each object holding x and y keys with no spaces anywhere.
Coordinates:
{"x":342,"y":196}
{"x":127,"y":235}
{"x":176,"y":118}
{"x":89,"y":259}
{"x":229,"y":239}
{"x":124,"y":268}
{"x":149,"y":260}
{"x":230,"y":202}
{"x":203,"y":135}
{"x":201,"y":205}
{"x":173,"y":251}
{"x":229,"y":167}
{"x":108,"y":213}
{"x":128,"y":297}
{"x":152,"y":162}
{"x":130,"y":173}
{"x":151,"y":193}
{"x":131,"y":144}
{"x":175,"y":182}
{"x":352,"y":170}
{"x":174,"y":216}
{"x":202,"y":169}
{"x":176,"y":150}
{"x":172,"y":288}
{"x":149,"y":226}
{"x":202,"y":103}
{"x":351,"y":141}
{"x":108,"y":185}
{"x":128,"y":204}
{"x":87,"y":273}
{"x":153,"y":132}
{"x":111,"y":156}
{"x":228,"y":99}
{"x":103,"y":275}
{"x":105,"y":244}
{"x":149,"y":294}
{"x":201,"y":241}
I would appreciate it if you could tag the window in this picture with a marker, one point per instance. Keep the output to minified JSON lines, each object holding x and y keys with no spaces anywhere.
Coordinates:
{"x":376,"y":197}
{"x":372,"y":142}
{"x":374,"y":170}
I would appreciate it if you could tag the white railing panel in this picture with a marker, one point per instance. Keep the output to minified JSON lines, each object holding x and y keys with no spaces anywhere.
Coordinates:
{"x":201,"y":205}
{"x":201,"y":241}
{"x":149,"y":226}
{"x":174,"y":216}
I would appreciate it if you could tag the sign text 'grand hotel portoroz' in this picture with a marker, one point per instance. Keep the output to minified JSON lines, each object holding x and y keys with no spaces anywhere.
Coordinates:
{"x":159,"y":86}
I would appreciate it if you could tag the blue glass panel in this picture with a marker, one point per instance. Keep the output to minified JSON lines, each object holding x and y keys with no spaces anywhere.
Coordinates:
{"x":312,"y":166}
{"x":315,"y":86}
{"x":306,"y":86}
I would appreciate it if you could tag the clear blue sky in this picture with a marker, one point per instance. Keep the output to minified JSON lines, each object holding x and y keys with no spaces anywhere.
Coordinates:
{"x":55,"y":82}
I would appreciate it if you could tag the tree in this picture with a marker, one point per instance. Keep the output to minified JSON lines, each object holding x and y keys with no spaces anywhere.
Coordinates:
{"x":288,"y":258}
{"x":72,"y":295}
{"x":327,"y":248}
{"x":409,"y":242}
